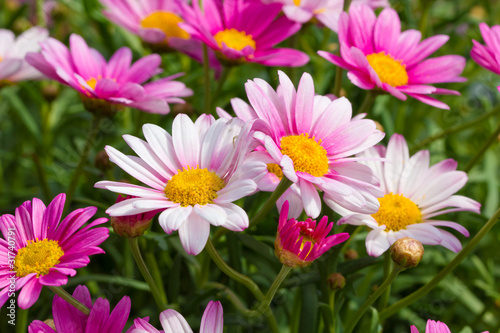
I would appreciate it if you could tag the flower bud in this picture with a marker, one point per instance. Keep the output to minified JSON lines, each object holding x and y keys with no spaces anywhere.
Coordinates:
{"x":407,"y":252}
{"x":101,"y":161}
{"x":351,"y":254}
{"x":100,"y":107}
{"x":132,"y":225}
{"x":50,"y":323}
{"x":50,"y":91}
{"x":185,"y":108}
{"x":336,"y":281}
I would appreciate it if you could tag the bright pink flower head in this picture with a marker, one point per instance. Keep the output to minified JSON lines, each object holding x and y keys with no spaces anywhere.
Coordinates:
{"x":156,"y":22}
{"x":379,"y":56}
{"x":327,"y":12}
{"x":244,"y":31}
{"x":299,"y":243}
{"x":413,"y":194}
{"x":434,"y":327}
{"x":13,"y":67}
{"x":172,"y":321}
{"x":68,"y":319}
{"x":117,"y":81}
{"x":45,"y":250}
{"x":311,"y":139}
{"x":488,"y":56}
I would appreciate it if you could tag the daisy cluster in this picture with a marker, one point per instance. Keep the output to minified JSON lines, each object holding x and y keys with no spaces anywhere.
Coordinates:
{"x":313,"y":160}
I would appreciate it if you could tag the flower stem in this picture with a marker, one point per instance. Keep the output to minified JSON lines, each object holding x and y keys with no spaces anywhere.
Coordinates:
{"x":206,"y":74}
{"x":274,"y":287}
{"x":161,"y":300}
{"x":42,"y":177}
{"x":220,"y":82}
{"x":22,"y":321}
{"x":40,"y":13}
{"x":338,"y":81}
{"x":484,"y":148}
{"x":278,"y":192}
{"x":387,"y":269}
{"x":367,"y":102}
{"x":94,"y":130}
{"x":454,"y":129}
{"x":416,"y":295}
{"x":70,"y":299}
{"x":357,"y":316}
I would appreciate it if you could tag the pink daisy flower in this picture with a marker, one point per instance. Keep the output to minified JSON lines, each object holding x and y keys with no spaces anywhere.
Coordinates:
{"x":299,"y":243}
{"x":156,"y":22}
{"x":243,"y":31}
{"x":43,"y":250}
{"x":310,"y":138}
{"x":488,"y":56}
{"x":117,"y":82}
{"x":13,"y":67}
{"x":414,"y":194}
{"x":327,"y":12}
{"x":172,"y":321}
{"x":379,"y":56}
{"x":68,"y":319}
{"x":434,"y":327}
{"x":193,"y":175}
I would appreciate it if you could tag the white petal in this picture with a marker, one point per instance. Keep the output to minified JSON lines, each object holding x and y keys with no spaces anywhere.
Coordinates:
{"x":397,"y":155}
{"x":171,"y":219}
{"x":194,"y":233}
{"x":425,"y":233}
{"x":161,"y":143}
{"x":236,"y":190}
{"x":173,"y":322}
{"x":377,"y":242}
{"x":144,"y":151}
{"x":237,"y":218}
{"x":213,"y":214}
{"x":186,"y":141}
{"x":310,"y":198}
{"x":212,"y":320}
{"x":126,"y":207}
{"x":130,"y":189}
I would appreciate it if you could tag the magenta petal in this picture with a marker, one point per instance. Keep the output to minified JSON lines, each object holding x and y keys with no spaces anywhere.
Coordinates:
{"x":54,"y":278}
{"x":83,"y":60}
{"x":118,"y":318}
{"x":29,"y":294}
{"x":119,"y":64}
{"x":106,"y":88}
{"x":144,"y":68}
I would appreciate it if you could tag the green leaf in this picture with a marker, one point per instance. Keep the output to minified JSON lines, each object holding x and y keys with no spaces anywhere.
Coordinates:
{"x":23,"y":113}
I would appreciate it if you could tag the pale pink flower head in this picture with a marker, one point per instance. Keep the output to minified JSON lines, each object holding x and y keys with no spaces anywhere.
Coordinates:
{"x":193,"y":176}
{"x":157,"y":23}
{"x":116,"y":82}
{"x":45,"y":250}
{"x":244,"y":31}
{"x":327,"y":12}
{"x":311,"y":138}
{"x":434,"y":327}
{"x":172,"y":321}
{"x":488,"y":56}
{"x":69,"y":319}
{"x":379,"y":56}
{"x":299,"y":243}
{"x":131,"y":225}
{"x":13,"y":67}
{"x":414,"y":194}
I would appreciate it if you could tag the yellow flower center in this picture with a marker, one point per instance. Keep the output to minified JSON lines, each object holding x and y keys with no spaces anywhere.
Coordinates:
{"x":389,"y":70}
{"x":397,"y":212}
{"x":38,"y":257}
{"x":275,"y":168}
{"x":193,"y":186}
{"x":167,"y":22}
{"x":1,"y":59}
{"x":92,"y":82}
{"x":234,"y":39}
{"x":296,"y":2}
{"x":306,"y":153}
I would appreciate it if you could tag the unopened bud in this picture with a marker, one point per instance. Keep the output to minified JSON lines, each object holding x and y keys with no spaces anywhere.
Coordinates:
{"x":351,"y":254}
{"x":50,"y":91}
{"x":336,"y":281}
{"x":185,"y":108}
{"x":407,"y":252}
{"x":131,"y":225}
{"x":100,"y":107}
{"x":50,"y":323}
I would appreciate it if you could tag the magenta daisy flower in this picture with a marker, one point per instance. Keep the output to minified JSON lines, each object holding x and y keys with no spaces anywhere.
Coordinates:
{"x":379,"y":56}
{"x":299,"y":243}
{"x":40,"y":250}
{"x":434,"y":327}
{"x":311,"y":138}
{"x":488,"y":56}
{"x":172,"y":321}
{"x":117,"y":82}
{"x":13,"y":67}
{"x":156,"y":22}
{"x":244,"y":31}
{"x":68,"y":319}
{"x":414,"y":194}
{"x":193,"y":175}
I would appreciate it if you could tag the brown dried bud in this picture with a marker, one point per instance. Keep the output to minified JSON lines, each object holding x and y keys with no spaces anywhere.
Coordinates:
{"x":185,"y":108}
{"x":101,"y":161}
{"x":50,"y":91}
{"x":407,"y":252}
{"x":50,"y":323}
{"x":351,"y":254}
{"x":336,"y":281}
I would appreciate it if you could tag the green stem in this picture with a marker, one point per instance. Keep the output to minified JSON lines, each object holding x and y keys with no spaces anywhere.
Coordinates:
{"x":454,"y":129}
{"x":94,"y":130}
{"x":220,"y":83}
{"x":484,"y":148}
{"x":231,"y":296}
{"x":152,"y":263}
{"x":160,"y":299}
{"x":332,"y":309}
{"x":22,"y":321}
{"x":387,"y":269}
{"x":70,"y":299}
{"x":274,"y":287}
{"x":425,"y":16}
{"x":416,"y":295}
{"x":278,"y":192}
{"x":357,"y":316}
{"x":337,"y":86}
{"x":367,"y":102}
{"x":206,"y":75}
{"x":40,"y":13}
{"x":42,"y":178}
